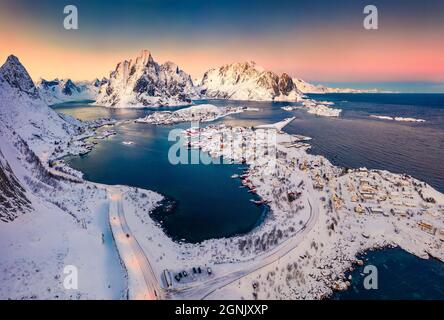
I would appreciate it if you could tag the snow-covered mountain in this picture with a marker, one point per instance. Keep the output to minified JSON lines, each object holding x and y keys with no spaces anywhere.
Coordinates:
{"x":247,"y":81}
{"x":24,"y":111}
{"x":62,"y":90}
{"x":47,"y":221}
{"x":143,"y":82}
{"x":29,"y":131}
{"x":307,"y":87}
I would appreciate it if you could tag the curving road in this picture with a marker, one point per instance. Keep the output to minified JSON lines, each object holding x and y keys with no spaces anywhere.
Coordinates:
{"x":205,"y":289}
{"x":133,"y":256}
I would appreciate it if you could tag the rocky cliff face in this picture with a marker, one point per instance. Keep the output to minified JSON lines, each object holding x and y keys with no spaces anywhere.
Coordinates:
{"x":13,"y":199}
{"x":144,"y":83}
{"x":247,"y":81}
{"x":14,"y":75}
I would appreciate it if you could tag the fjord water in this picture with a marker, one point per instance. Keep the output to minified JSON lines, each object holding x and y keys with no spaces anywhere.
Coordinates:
{"x":210,"y":204}
{"x":401,"y":275}
{"x":356,"y":140}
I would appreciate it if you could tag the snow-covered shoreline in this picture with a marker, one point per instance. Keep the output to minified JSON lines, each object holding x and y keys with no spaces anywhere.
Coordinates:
{"x":360,"y":231}
{"x":322,"y":109}
{"x":154,"y":104}
{"x":400,"y":119}
{"x":372,"y":213}
{"x":197,"y":113}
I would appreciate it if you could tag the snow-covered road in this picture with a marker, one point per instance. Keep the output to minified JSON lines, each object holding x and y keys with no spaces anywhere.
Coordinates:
{"x":206,"y":289}
{"x":143,"y":283}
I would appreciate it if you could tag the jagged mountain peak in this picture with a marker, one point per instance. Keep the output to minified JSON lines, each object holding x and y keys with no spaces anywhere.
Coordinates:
{"x":248,"y":81}
{"x":240,"y":67}
{"x":15,"y":74}
{"x":142,"y":82}
{"x":145,"y":57}
{"x":97,"y":82}
{"x":170,"y":65}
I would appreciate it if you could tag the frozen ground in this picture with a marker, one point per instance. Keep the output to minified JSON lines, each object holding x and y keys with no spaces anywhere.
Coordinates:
{"x":197,"y":113}
{"x":50,"y":219}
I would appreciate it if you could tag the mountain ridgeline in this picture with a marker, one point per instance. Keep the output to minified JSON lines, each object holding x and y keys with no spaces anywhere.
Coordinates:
{"x":143,"y":82}
{"x":247,"y":81}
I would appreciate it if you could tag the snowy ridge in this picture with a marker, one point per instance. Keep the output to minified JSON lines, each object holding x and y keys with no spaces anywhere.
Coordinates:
{"x":247,"y":81}
{"x":22,"y":109}
{"x":144,"y":83}
{"x":58,"y":91}
{"x":307,"y":87}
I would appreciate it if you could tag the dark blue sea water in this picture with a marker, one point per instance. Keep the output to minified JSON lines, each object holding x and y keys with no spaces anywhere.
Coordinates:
{"x":209,"y":204}
{"x":400,"y":275}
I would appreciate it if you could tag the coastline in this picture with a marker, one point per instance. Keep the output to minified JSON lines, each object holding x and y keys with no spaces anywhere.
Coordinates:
{"x":376,"y":243}
{"x":248,"y":264}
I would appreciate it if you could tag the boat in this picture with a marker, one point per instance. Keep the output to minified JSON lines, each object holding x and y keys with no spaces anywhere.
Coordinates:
{"x":258,"y":202}
{"x":234,"y":176}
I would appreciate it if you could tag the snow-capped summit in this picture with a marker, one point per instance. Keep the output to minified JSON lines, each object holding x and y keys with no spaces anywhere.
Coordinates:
{"x":13,"y":73}
{"x":143,"y":83}
{"x":23,"y":111}
{"x":57,"y":91}
{"x":247,"y":81}
{"x":97,"y":83}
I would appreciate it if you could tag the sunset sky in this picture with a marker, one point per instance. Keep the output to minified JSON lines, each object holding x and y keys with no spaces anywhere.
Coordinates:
{"x":320,"y":41}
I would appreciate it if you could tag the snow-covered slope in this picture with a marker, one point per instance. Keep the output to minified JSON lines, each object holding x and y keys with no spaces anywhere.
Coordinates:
{"x":23,"y":111}
{"x":307,"y":87}
{"x":57,"y":91}
{"x":46,"y":221}
{"x":144,"y":83}
{"x":247,"y":81}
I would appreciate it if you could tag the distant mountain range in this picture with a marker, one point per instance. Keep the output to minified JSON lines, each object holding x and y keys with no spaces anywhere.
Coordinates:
{"x":306,"y":87}
{"x":142,"y":82}
{"x":57,"y":91}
